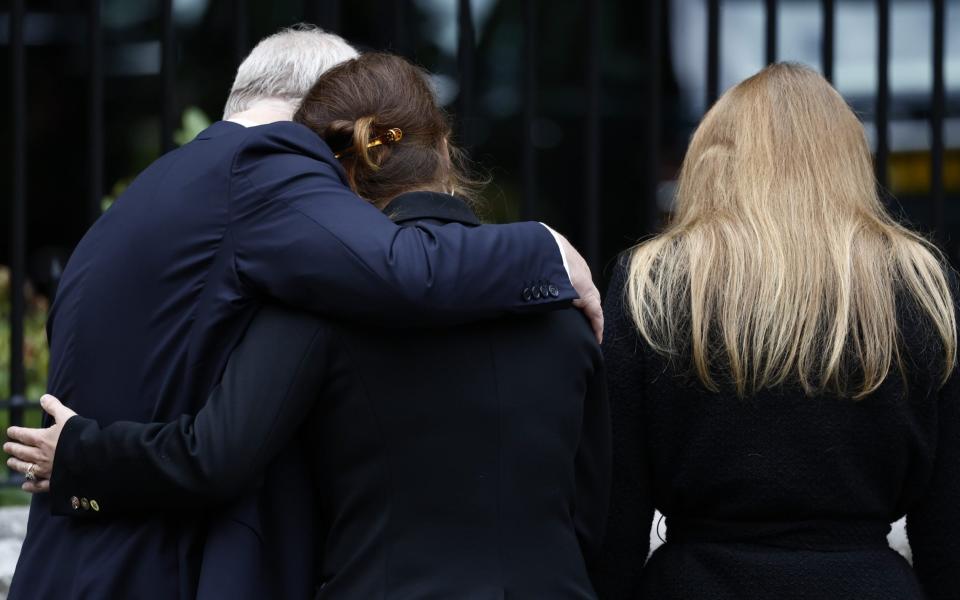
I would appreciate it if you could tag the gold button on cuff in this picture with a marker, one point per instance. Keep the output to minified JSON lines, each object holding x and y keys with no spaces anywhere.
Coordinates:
{"x":75,"y":502}
{"x":95,"y":505}
{"x":85,"y":503}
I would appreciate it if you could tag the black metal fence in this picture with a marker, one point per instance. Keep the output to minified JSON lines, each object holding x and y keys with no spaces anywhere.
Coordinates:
{"x":393,"y":19}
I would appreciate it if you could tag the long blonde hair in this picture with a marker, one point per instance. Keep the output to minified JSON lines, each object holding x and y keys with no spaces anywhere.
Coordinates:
{"x":780,"y":263}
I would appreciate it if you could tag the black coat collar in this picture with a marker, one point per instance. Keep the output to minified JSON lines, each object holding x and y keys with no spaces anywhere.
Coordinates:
{"x":433,"y":206}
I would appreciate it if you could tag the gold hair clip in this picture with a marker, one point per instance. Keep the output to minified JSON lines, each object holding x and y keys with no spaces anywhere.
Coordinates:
{"x":392,"y":136}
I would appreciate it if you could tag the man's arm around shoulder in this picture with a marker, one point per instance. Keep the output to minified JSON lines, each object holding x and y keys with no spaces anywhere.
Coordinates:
{"x":271,"y":382}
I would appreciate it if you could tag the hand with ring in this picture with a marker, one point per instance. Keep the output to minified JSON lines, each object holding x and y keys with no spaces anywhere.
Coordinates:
{"x":32,"y":450}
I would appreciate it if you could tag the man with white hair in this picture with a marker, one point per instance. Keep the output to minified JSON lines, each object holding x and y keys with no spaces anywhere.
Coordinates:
{"x":280,"y":71}
{"x":161,"y":288}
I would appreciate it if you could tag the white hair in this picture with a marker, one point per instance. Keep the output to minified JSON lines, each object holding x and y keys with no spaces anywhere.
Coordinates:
{"x":285,"y":66}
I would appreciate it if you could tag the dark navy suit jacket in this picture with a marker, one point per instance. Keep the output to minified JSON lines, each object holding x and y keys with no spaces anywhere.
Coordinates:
{"x":161,"y":288}
{"x":468,"y":462}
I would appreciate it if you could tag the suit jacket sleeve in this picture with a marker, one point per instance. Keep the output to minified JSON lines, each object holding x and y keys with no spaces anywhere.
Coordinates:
{"x":271,"y":382}
{"x":301,"y":236}
{"x":592,"y":466}
{"x":627,"y":541}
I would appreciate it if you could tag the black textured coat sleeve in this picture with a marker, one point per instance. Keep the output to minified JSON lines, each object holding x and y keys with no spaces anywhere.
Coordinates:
{"x":627,"y":539}
{"x":933,"y":527}
{"x":271,"y":381}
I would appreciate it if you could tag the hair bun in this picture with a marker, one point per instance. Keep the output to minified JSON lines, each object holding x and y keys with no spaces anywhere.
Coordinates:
{"x":353,"y":138}
{"x":339,"y":135}
{"x":362,"y":134}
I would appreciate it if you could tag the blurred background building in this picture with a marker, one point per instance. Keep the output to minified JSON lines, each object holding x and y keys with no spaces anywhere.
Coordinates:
{"x":579,"y":110}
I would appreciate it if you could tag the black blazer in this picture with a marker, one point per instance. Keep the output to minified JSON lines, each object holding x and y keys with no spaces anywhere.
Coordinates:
{"x":780,"y":495}
{"x":162,"y":287}
{"x":469,"y":462}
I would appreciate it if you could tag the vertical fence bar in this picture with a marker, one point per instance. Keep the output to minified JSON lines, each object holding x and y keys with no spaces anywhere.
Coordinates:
{"x":883,"y":90}
{"x":651,"y":128}
{"x":167,"y":75}
{"x":401,"y":28}
{"x":528,"y":204}
{"x":18,"y":242}
{"x":826,"y":47}
{"x":241,"y":37}
{"x":466,"y":63}
{"x":937,"y":110}
{"x":325,"y":13}
{"x":591,"y":208}
{"x":713,"y":51}
{"x":771,"y":31}
{"x":94,"y":110}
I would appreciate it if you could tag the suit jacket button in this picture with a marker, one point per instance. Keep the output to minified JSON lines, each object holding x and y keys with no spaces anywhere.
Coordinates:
{"x":553,"y":290}
{"x":95,"y":505}
{"x":527,"y":294}
{"x":75,"y":503}
{"x":544,"y":291}
{"x":85,"y":504}
{"x":536,"y":292}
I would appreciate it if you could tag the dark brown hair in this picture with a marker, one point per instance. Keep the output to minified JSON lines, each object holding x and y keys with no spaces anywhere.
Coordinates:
{"x":359,"y":101}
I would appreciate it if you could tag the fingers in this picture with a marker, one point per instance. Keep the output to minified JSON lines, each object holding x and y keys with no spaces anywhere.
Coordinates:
{"x":594,"y":312}
{"x":591,"y":306}
{"x":582,"y":280}
{"x":594,"y":315}
{"x":28,"y":454}
{"x":55,"y":408}
{"x":23,"y":467}
{"x":26,"y":435}
{"x":36,"y":487}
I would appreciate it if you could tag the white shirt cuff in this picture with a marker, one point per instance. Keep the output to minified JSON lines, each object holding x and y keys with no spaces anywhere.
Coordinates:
{"x":563,"y":255}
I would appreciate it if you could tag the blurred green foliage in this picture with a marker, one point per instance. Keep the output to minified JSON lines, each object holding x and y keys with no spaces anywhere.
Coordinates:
{"x":13,"y":497}
{"x":192,"y":122}
{"x":35,"y":354}
{"x":36,"y":358}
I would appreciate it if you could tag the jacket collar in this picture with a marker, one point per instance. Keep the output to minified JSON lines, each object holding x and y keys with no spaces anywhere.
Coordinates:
{"x":413,"y":206}
{"x":418,"y":206}
{"x":219,"y":128}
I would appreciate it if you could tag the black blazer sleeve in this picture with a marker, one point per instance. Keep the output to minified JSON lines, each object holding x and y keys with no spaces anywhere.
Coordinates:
{"x":627,"y":540}
{"x":271,"y":382}
{"x":592,"y":466}
{"x":300,"y":236}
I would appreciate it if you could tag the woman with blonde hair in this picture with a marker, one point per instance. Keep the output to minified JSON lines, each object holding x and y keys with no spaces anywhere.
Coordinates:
{"x":782,"y":377}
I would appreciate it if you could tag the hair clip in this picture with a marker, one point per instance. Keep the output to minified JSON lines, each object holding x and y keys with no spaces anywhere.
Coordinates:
{"x":392,"y":136}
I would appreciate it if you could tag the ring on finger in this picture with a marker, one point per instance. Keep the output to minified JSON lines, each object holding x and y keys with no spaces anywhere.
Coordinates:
{"x":30,"y":475}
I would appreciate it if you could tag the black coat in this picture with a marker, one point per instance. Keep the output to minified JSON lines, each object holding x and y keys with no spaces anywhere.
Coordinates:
{"x":469,"y":462}
{"x":780,"y":495}
{"x":161,"y":288}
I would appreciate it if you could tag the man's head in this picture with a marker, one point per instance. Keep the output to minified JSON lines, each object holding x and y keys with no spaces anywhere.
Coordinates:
{"x":284,"y":66}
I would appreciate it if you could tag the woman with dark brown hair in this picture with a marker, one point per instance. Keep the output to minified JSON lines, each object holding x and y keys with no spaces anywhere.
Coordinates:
{"x":470,"y":462}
